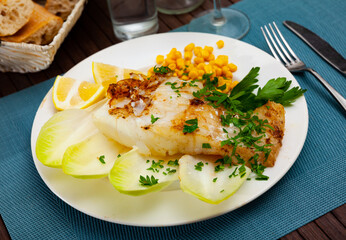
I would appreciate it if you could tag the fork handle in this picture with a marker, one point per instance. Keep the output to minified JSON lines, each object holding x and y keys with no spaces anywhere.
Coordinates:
{"x":338,"y":97}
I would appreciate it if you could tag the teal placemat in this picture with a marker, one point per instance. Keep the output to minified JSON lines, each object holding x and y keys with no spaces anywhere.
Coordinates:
{"x":314,"y":186}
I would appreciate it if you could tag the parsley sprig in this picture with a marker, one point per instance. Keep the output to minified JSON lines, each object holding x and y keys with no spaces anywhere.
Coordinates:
{"x":190,"y":126}
{"x":154,"y":119}
{"x":148,"y":181}
{"x":162,"y":70}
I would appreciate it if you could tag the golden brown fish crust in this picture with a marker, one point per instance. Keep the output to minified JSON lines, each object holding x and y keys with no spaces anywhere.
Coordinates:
{"x":209,"y":123}
{"x":275,"y":114}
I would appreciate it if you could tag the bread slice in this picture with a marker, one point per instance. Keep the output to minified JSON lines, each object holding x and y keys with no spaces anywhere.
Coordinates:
{"x":41,"y":28}
{"x":14,"y":14}
{"x":61,"y":8}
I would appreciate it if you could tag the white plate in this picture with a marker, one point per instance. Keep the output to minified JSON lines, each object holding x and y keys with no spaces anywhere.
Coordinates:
{"x":99,"y":199}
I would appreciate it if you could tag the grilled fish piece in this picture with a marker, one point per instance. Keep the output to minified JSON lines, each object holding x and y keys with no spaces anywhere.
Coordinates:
{"x":134,"y":105}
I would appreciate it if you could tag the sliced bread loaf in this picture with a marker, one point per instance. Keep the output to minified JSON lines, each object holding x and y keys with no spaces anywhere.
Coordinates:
{"x":61,"y":8}
{"x":41,"y":28}
{"x":14,"y":14}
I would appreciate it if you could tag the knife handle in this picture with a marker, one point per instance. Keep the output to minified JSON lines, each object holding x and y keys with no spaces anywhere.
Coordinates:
{"x":332,"y":91}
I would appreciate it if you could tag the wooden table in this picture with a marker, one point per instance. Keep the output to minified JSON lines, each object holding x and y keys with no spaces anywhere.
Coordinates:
{"x":94,"y":32}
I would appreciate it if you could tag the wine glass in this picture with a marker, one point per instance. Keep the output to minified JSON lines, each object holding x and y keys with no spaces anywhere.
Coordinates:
{"x":223,"y":21}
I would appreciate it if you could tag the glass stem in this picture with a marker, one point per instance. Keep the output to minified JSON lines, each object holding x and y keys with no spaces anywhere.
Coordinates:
{"x":218,"y":18}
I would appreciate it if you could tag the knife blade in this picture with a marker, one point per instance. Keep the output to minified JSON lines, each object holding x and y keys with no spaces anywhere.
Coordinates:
{"x":324,"y":49}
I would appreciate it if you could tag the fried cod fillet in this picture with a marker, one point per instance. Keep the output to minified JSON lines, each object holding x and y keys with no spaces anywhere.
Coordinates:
{"x":151,"y":114}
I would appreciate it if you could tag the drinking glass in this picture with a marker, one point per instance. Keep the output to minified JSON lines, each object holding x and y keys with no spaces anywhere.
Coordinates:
{"x":223,"y":21}
{"x":133,"y":18}
{"x":177,"y":6}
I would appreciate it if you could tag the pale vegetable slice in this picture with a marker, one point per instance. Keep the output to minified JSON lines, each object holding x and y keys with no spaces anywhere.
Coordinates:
{"x":92,"y":158}
{"x":206,"y":184}
{"x":126,"y":172}
{"x":63,"y":129}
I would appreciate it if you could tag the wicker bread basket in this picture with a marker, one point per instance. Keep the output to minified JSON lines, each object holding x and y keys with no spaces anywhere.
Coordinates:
{"x":23,"y":57}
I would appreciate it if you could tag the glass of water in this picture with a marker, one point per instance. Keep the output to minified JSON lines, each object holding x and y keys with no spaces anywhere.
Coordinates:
{"x":133,"y":18}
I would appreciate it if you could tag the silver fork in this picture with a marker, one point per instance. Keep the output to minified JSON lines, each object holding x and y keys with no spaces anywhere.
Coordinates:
{"x":292,"y":62}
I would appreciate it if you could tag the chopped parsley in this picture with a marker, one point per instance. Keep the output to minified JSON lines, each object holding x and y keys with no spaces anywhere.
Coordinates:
{"x":214,"y":180}
{"x":173,"y":163}
{"x":156,"y":166}
{"x":206,"y":145}
{"x":192,"y":125}
{"x":233,"y":174}
{"x":148,"y":181}
{"x":119,"y":155}
{"x":171,"y":171}
{"x":162,"y":70}
{"x":153,"y":119}
{"x":199,"y":166}
{"x":102,"y":159}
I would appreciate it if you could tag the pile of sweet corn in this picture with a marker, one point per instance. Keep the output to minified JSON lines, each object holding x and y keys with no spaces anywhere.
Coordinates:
{"x":196,"y":61}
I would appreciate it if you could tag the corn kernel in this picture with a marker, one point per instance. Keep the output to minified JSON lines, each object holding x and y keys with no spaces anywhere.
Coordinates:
{"x":234,"y":83}
{"x":180,"y":63}
{"x":209,"y":49}
{"x":175,"y":74}
{"x":197,"y":51}
{"x":208,"y":69}
{"x":218,"y":62}
{"x":201,"y":65}
{"x":160,"y":59}
{"x":217,"y":70}
{"x":188,"y":55}
{"x":185,"y":77}
{"x":193,"y":74}
{"x":173,"y":50}
{"x":169,"y":61}
{"x":198,"y":60}
{"x":187,"y":62}
{"x":205,"y":54}
{"x":180,"y":73}
{"x":172,"y":66}
{"x":224,"y":70}
{"x":189,"y":47}
{"x":211,"y":57}
{"x":177,"y":54}
{"x":212,"y":62}
{"x":200,"y":72}
{"x":232,"y":67}
{"x":220,"y":44}
{"x":229,"y":75}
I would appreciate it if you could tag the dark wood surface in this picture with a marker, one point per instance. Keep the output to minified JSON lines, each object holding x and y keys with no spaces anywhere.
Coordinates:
{"x":94,"y":32}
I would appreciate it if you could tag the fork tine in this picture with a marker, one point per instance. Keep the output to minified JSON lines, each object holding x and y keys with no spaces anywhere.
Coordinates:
{"x":286,"y":44}
{"x":279,"y":42}
{"x":270,"y":45}
{"x":275,"y":46}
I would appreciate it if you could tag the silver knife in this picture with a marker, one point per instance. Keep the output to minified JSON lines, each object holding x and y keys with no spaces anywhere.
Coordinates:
{"x":319,"y":45}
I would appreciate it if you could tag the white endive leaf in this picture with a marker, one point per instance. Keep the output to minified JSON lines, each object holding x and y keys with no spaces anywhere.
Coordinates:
{"x":198,"y":177}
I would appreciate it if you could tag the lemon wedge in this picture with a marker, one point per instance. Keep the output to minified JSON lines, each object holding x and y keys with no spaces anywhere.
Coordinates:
{"x":106,"y":74}
{"x":69,"y":93}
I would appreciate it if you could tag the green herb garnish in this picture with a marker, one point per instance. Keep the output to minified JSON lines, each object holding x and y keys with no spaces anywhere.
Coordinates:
{"x":199,"y":166}
{"x":155,"y":166}
{"x":162,"y":70}
{"x":102,"y":159}
{"x":206,"y":145}
{"x":153,"y":119}
{"x":193,"y":125}
{"x":148,"y":181}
